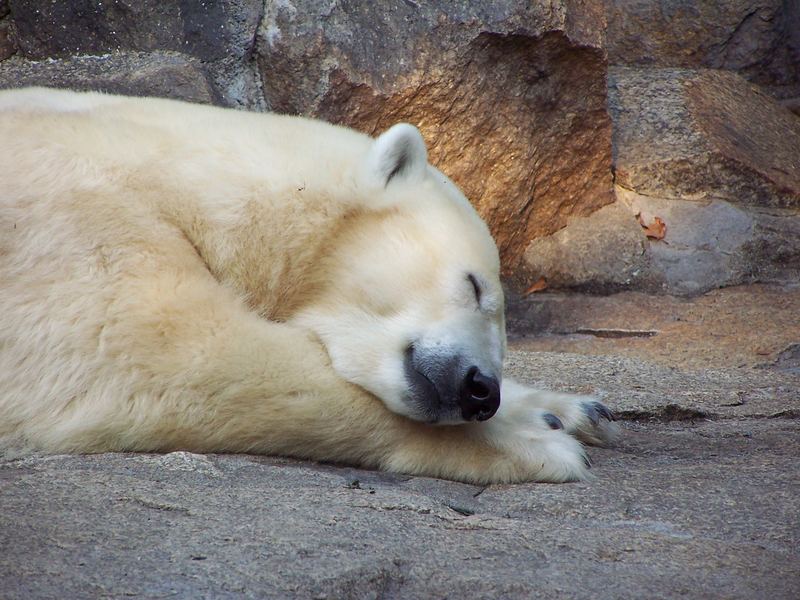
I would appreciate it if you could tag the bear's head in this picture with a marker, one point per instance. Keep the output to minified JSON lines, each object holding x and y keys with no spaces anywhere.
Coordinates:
{"x":411,"y":307}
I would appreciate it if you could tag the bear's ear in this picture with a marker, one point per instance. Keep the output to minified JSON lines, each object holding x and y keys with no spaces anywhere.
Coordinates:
{"x":398,"y":154}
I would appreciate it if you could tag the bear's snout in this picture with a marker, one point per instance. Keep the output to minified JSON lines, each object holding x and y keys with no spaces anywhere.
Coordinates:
{"x":479,"y":397}
{"x":444,"y":389}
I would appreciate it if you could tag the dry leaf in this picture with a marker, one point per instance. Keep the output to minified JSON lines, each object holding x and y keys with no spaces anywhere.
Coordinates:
{"x":540,"y":285}
{"x":656,"y":230}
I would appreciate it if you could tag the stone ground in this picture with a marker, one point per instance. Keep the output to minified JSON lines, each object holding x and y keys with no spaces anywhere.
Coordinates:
{"x":699,"y":498}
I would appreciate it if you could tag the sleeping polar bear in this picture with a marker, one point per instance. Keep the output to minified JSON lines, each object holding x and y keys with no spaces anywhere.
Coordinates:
{"x":177,"y":276}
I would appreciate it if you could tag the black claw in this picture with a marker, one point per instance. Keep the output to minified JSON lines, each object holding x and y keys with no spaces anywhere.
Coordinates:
{"x":603,"y":410}
{"x":587,"y":462}
{"x":553,"y":421}
{"x":596,"y":410}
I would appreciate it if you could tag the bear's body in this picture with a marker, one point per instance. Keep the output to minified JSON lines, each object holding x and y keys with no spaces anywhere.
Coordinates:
{"x":175,"y":276}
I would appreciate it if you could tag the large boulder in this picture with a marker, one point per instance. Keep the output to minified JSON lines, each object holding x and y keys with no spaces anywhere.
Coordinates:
{"x":511,"y":96}
{"x":601,"y":253}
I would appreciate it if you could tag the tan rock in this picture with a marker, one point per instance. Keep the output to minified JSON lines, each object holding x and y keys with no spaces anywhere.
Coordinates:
{"x":602,"y":253}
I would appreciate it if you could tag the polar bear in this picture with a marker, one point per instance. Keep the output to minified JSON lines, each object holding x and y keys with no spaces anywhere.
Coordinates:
{"x":177,"y":276}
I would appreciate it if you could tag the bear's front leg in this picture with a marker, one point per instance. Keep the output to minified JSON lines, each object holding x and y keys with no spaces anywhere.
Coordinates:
{"x":197,"y":370}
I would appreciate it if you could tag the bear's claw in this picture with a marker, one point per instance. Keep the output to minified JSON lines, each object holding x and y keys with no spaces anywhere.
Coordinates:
{"x":596,"y":411}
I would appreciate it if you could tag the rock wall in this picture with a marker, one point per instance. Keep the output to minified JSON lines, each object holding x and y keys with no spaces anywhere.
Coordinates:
{"x":512,"y":98}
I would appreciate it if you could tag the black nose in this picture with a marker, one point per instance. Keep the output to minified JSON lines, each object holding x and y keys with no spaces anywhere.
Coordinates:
{"x":479,"y":397}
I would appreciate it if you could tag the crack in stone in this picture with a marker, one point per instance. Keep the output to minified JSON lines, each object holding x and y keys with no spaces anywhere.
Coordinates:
{"x":667,"y":413}
{"x":154,"y":504}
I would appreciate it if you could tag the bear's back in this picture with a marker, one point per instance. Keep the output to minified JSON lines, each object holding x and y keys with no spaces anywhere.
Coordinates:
{"x":49,"y":133}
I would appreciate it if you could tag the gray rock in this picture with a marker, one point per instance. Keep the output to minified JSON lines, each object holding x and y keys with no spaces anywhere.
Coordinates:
{"x":687,"y":150}
{"x":509,"y":95}
{"x":218,"y":34}
{"x":698,"y":499}
{"x":708,"y":244}
{"x":788,"y":360}
{"x":714,"y":243}
{"x":603,"y":252}
{"x":639,"y":389}
{"x":206,"y":30}
{"x":703,"y":134}
{"x":167,"y":75}
{"x":738,"y":328}
{"x":7,"y":46}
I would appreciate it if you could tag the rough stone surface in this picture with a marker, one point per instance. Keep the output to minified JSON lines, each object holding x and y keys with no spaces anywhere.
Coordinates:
{"x":7,"y":45}
{"x":758,"y":39}
{"x":709,"y":153}
{"x":220,"y":35}
{"x":788,"y":360}
{"x":207,"y":30}
{"x":168,"y":75}
{"x":509,"y":95}
{"x":687,"y":150}
{"x":637,"y":389}
{"x":703,"y":134}
{"x":698,"y":499}
{"x":708,"y":244}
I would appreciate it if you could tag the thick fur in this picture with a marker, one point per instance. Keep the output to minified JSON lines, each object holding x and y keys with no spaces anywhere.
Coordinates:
{"x":175,"y":276}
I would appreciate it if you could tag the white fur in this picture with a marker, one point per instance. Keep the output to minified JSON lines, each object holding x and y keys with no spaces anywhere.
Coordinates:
{"x":175,"y":276}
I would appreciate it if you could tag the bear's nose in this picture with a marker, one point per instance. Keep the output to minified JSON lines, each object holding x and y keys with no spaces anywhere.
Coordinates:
{"x":479,"y":397}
